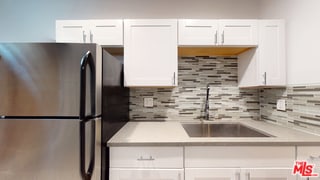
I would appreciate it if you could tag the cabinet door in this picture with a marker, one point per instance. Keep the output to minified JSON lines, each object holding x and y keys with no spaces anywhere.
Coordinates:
{"x":106,"y":32}
{"x":146,"y":174}
{"x":266,"y":64}
{"x":272,"y":62}
{"x":248,"y":69}
{"x":198,"y":32}
{"x":73,"y":31}
{"x":267,"y":174}
{"x":311,"y":154}
{"x":238,"y":32}
{"x":150,"y":52}
{"x":212,"y":174}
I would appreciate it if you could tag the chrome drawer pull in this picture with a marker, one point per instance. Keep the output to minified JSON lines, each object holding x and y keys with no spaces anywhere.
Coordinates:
{"x":247,"y":176}
{"x":237,"y":176}
{"x":145,"y":159}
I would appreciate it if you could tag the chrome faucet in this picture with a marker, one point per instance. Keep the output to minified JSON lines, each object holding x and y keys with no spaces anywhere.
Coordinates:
{"x":206,"y":107}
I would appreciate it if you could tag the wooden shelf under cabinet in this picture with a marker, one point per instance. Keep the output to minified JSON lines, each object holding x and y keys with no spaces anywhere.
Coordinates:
{"x":211,"y":51}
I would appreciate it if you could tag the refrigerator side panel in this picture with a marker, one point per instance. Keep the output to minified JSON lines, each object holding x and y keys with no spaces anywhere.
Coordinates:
{"x":98,"y":144}
{"x":115,"y":104}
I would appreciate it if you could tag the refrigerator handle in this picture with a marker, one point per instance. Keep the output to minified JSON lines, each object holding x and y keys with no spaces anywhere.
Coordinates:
{"x":87,"y":173}
{"x":86,"y":61}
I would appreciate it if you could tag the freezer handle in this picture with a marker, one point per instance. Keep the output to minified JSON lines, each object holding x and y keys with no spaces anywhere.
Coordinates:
{"x":87,"y":173}
{"x":86,"y":61}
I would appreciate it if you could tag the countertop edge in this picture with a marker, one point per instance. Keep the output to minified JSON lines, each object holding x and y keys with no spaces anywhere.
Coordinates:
{"x":214,"y":144}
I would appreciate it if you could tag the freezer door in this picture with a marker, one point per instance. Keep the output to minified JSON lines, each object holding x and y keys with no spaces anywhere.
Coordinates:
{"x":43,"y":79}
{"x":44,"y":149}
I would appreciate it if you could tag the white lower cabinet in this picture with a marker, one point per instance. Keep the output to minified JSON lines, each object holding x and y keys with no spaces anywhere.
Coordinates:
{"x":146,"y":174}
{"x":311,"y":154}
{"x":146,"y":163}
{"x":206,"y":162}
{"x":238,"y":174}
{"x":267,"y":174}
{"x":239,"y":163}
{"x":212,"y":174}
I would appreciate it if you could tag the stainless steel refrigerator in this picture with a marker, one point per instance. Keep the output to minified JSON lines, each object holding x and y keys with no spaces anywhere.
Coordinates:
{"x":50,"y":111}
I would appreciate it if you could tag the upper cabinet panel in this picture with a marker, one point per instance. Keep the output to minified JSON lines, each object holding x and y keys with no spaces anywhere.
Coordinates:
{"x":272,"y":52}
{"x":102,"y":32}
{"x":74,"y":31}
{"x":238,"y":32}
{"x":107,"y":32}
{"x":150,"y":52}
{"x":198,"y":32}
{"x":266,"y":64}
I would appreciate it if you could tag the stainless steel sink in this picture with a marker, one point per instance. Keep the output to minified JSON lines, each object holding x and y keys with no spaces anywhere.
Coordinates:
{"x":222,"y":130}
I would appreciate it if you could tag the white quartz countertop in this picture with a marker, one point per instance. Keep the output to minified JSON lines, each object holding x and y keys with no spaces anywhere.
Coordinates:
{"x":173,"y":134}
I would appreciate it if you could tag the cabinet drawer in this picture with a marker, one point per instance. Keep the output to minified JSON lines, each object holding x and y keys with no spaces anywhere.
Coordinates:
{"x":146,"y":157}
{"x":308,"y":152}
{"x":239,"y":156}
{"x":146,"y":174}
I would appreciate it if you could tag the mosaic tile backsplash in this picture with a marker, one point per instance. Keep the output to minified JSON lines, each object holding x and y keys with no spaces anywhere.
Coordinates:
{"x":303,"y":107}
{"x":186,"y":102}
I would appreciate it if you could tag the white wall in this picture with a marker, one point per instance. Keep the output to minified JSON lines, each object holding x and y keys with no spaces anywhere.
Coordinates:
{"x":303,"y":36}
{"x":34,"y":20}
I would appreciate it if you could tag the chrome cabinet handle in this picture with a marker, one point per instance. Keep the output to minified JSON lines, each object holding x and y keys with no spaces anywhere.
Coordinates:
{"x":264,"y":82}
{"x":314,"y":158}
{"x":84,"y":36}
{"x":222,"y":37}
{"x":174,"y":78}
{"x":237,"y":176}
{"x":216,"y":37}
{"x":247,"y":175}
{"x":91,"y":37}
{"x":141,"y":158}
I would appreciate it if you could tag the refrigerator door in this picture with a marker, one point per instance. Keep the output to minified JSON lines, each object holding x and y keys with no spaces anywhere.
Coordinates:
{"x":45,"y":149}
{"x":43,"y":79}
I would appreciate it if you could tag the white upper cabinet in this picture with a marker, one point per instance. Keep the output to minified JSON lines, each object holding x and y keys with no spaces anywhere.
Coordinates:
{"x":107,"y":32}
{"x":150,"y":52}
{"x":266,"y":64}
{"x":271,"y":52}
{"x":198,"y":32}
{"x":218,"y":32}
{"x":102,"y":32}
{"x":238,"y":32}
{"x":74,"y":31}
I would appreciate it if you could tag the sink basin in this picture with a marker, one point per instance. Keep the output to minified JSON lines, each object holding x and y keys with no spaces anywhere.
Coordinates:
{"x":222,"y":130}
